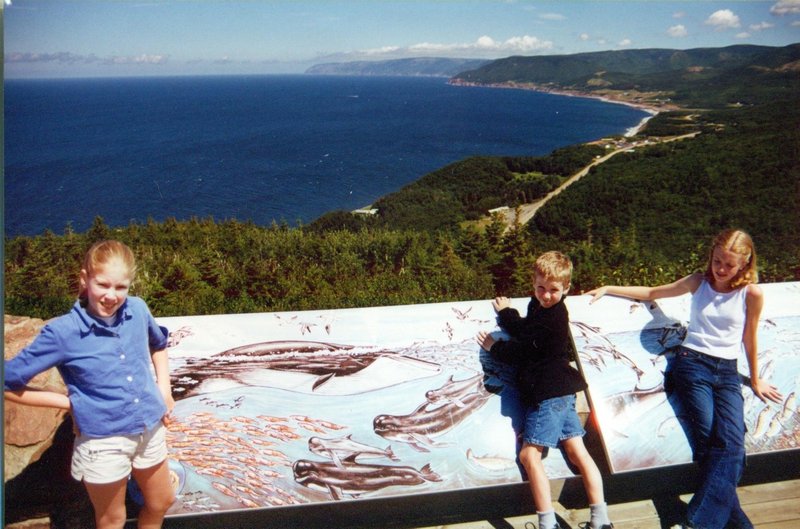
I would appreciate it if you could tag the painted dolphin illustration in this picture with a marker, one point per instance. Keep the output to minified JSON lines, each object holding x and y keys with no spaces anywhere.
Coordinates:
{"x":629,"y":406}
{"x":453,"y":391}
{"x":420,"y":426}
{"x":345,"y":449}
{"x":357,"y":479}
{"x":256,"y":364}
{"x":492,"y":463}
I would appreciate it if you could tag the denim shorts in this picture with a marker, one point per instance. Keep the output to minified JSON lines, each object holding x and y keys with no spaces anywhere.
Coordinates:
{"x":110,"y":459}
{"x":552,"y":421}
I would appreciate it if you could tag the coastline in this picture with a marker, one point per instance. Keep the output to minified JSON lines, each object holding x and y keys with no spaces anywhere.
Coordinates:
{"x":650,"y":108}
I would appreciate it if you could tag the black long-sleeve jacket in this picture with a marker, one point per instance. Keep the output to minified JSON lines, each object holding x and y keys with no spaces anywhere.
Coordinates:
{"x":541,"y":349}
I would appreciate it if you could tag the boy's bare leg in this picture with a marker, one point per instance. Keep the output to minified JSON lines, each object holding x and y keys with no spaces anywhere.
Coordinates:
{"x":531,"y":458}
{"x":592,"y":482}
{"x":592,"y":479}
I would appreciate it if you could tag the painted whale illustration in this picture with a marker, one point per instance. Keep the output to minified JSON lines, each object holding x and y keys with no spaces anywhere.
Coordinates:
{"x":312,"y":367}
{"x":453,"y":391}
{"x":357,"y":479}
{"x":427,"y":421}
{"x":345,"y":450}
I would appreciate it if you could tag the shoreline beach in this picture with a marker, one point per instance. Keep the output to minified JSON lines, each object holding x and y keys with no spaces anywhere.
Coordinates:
{"x":650,"y":108}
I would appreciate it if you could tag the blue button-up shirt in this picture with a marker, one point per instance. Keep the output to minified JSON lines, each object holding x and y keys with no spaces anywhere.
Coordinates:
{"x":107,"y":368}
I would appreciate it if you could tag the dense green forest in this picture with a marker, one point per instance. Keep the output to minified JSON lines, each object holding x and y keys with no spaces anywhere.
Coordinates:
{"x":641,"y":217}
{"x":745,"y":173}
{"x":700,"y":77}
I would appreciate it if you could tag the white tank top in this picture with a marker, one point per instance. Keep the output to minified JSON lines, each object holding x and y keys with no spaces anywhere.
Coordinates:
{"x":716,"y":322}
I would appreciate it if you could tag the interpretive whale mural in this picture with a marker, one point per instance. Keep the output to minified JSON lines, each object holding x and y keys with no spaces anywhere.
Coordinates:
{"x":290,"y":409}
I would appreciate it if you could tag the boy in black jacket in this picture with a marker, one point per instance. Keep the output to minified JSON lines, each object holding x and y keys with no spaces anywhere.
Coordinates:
{"x":540,"y":347}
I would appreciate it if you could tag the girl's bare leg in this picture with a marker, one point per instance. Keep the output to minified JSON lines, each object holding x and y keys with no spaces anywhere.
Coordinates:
{"x":108,"y":500}
{"x":156,"y":487}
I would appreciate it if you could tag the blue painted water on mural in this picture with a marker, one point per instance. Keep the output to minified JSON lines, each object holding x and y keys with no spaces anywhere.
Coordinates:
{"x":259,"y":148}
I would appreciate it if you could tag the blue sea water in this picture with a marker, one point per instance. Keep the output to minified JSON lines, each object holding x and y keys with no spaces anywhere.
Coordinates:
{"x":259,"y":148}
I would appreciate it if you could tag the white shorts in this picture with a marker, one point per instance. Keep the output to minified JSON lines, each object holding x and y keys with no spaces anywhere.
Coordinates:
{"x":110,"y":459}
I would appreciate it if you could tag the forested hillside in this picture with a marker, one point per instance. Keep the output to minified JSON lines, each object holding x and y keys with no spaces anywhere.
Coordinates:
{"x":651,"y":207}
{"x":700,"y":77}
{"x":642,"y":216}
{"x":467,"y":189}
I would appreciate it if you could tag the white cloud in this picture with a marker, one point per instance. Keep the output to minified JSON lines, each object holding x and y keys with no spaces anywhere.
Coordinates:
{"x":484,"y":46}
{"x":624,"y":43}
{"x":382,"y":51}
{"x":723,"y":19}
{"x":150,"y":59}
{"x":526,"y":44}
{"x":584,"y":36}
{"x":761,"y":26}
{"x":743,"y":35}
{"x":679,"y":14}
{"x":62,"y":57}
{"x":552,"y":16}
{"x":66,"y":57}
{"x":137,"y":59}
{"x":677,"y":31}
{"x":485,"y":42}
{"x":786,"y":7}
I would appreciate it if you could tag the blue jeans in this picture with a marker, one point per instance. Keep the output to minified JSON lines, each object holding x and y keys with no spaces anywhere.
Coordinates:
{"x":710,"y":395}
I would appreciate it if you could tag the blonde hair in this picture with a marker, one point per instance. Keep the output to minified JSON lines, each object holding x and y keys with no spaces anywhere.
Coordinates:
{"x":740,"y":243}
{"x":101,"y":253}
{"x":554,"y":266}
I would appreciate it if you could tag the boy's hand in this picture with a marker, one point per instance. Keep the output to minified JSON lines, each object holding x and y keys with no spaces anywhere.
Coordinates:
{"x":501,"y":303}
{"x":485,"y":340}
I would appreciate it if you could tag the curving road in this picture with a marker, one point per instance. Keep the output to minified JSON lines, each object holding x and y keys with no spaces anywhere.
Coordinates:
{"x":527,"y":211}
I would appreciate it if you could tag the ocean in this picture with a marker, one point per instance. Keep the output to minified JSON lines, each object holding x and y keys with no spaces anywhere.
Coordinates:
{"x":259,"y":148}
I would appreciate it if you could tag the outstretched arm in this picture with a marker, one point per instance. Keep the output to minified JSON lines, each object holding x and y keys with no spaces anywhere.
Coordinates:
{"x":682,"y":286}
{"x":38,"y":397}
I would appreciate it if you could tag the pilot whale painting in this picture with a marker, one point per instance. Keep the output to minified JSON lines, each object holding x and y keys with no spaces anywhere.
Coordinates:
{"x":625,"y":347}
{"x":280,"y":409}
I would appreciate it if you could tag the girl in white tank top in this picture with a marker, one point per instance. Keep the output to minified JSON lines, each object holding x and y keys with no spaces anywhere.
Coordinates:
{"x":726,"y":306}
{"x":716,"y":324}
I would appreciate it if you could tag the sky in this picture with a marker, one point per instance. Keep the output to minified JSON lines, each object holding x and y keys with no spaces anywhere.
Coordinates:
{"x":113,"y":38}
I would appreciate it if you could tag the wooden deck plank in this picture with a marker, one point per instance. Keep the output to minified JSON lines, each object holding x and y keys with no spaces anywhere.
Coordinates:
{"x":627,"y":515}
{"x":769,"y":491}
{"x":785,"y":511}
{"x":769,"y":506}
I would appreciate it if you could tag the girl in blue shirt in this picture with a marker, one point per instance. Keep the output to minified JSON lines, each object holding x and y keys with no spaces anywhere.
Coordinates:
{"x":723,"y":320}
{"x":104,"y":348}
